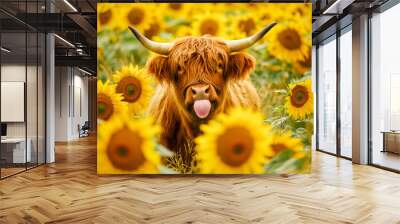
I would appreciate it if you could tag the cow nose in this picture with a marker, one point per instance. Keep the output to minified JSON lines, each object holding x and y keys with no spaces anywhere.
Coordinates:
{"x":200,"y":92}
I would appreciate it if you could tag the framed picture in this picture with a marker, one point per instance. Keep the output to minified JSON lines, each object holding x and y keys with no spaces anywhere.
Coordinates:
{"x":205,"y":88}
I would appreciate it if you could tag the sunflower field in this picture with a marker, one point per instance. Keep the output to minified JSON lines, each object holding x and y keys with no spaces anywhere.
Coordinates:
{"x":276,"y":139}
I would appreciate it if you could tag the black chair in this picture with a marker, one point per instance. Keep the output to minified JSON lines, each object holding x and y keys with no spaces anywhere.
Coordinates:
{"x":84,"y":130}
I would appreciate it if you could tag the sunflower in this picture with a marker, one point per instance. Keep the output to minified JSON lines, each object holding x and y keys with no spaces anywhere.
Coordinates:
{"x":289,"y":42}
{"x":175,"y":10}
{"x":209,"y":24}
{"x":127,"y":145}
{"x":303,"y":66}
{"x":154,"y":27}
{"x":244,"y":26}
{"x":268,"y":13}
{"x":272,"y":12}
{"x":301,"y":11}
{"x":236,"y":142}
{"x":299,"y":102}
{"x":176,"y":7}
{"x":108,"y":101}
{"x":105,"y":16}
{"x":285,"y":141}
{"x":135,"y":85}
{"x":136,"y":15}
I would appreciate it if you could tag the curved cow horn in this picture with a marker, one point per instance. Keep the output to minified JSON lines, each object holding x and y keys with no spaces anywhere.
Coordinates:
{"x":238,"y":45}
{"x":159,"y":48}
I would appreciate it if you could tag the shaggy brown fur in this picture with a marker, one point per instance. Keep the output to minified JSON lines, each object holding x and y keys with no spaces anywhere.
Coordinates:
{"x":198,"y":62}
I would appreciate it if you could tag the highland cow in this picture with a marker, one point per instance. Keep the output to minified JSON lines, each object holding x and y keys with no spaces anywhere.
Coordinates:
{"x":199,"y":77}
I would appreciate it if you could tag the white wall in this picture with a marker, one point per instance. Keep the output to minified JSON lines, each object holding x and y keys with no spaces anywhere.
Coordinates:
{"x":33,"y":127}
{"x":80,"y":110}
{"x":14,"y":73}
{"x":71,"y":94}
{"x":61,"y":103}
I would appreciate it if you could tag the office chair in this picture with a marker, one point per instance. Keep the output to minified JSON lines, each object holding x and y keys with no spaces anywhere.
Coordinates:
{"x":84,"y":130}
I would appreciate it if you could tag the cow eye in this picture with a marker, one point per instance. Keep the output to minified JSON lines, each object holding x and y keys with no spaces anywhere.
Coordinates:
{"x":217,"y":90}
{"x":220,"y":66}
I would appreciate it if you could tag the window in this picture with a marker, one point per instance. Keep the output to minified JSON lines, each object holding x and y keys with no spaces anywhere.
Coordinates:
{"x":327,"y":96}
{"x":385,"y":89}
{"x":22,"y":95}
{"x":346,"y":93}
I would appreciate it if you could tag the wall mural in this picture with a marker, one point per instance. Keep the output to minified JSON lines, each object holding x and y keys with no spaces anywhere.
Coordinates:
{"x":211,"y":88}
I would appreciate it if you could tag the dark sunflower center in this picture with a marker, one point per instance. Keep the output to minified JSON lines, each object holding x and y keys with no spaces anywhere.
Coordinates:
{"x":122,"y":151}
{"x":105,"y":17}
{"x":130,"y":88}
{"x":209,"y":26}
{"x":175,"y":6}
{"x":235,"y":146}
{"x":290,"y":39}
{"x":279,"y":147}
{"x":125,"y":149}
{"x":105,"y":107}
{"x":238,"y":149}
{"x":247,"y":26}
{"x":101,"y":108}
{"x":153,"y":30}
{"x":299,"y":96}
{"x":135,"y":16}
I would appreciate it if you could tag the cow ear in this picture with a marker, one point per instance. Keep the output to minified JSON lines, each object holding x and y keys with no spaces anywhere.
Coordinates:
{"x":240,"y":65}
{"x":158,"y":66}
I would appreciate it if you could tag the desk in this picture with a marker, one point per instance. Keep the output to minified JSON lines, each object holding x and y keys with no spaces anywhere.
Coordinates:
{"x":391,"y":141}
{"x":16,"y":147}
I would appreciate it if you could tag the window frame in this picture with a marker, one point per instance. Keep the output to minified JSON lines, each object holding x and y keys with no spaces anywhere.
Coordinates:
{"x":334,"y":37}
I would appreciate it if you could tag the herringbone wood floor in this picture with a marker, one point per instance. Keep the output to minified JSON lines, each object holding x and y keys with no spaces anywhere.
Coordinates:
{"x":70,"y":191}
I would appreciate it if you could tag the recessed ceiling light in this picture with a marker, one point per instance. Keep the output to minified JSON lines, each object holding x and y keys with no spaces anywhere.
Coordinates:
{"x":84,"y":71}
{"x":5,"y":50}
{"x":337,"y":7}
{"x":70,"y":5}
{"x":65,"y":41}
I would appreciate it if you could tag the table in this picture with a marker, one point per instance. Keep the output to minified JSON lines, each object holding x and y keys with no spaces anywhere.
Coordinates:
{"x":16,"y":147}
{"x":391,"y":141}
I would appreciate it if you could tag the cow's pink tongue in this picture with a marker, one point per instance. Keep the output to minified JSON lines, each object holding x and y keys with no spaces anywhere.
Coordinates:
{"x":202,"y":108}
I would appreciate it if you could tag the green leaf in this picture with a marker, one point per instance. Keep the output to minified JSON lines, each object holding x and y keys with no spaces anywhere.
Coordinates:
{"x":282,"y":91}
{"x":278,"y":161}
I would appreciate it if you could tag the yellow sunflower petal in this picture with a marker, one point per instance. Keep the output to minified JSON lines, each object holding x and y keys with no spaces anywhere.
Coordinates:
{"x":208,"y":23}
{"x":109,"y":102}
{"x":136,"y":87}
{"x":300,"y":101}
{"x":237,"y":142}
{"x":285,"y":141}
{"x":127,"y":145}
{"x":289,"y":41}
